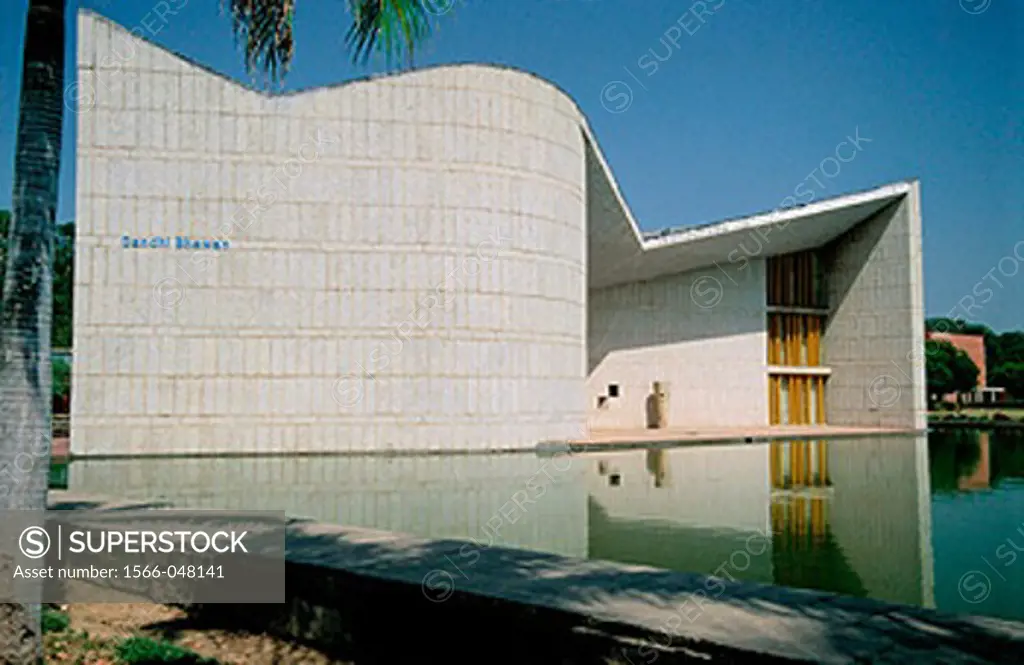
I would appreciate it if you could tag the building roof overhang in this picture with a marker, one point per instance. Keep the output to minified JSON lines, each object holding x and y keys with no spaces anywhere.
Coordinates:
{"x":618,"y":252}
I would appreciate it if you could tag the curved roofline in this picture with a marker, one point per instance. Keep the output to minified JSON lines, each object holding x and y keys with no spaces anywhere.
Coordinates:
{"x":636,"y":243}
{"x":272,"y":94}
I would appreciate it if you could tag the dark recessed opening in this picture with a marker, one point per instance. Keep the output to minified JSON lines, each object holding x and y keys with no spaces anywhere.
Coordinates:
{"x":601,"y":400}
{"x":613,"y":390}
{"x":614,"y":480}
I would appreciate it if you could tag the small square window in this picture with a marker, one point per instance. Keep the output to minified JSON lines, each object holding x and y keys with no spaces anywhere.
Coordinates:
{"x":615,"y":480}
{"x":613,"y":390}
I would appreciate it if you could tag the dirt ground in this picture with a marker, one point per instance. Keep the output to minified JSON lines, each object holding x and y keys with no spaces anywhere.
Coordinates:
{"x":105,"y":622}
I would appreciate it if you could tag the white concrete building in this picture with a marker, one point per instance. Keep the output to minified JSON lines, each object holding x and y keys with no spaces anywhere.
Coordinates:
{"x":441,"y":260}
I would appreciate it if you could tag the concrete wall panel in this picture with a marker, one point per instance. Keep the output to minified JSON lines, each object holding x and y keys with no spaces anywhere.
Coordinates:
{"x":706,"y":339}
{"x":874,"y":340}
{"x":405,"y":271}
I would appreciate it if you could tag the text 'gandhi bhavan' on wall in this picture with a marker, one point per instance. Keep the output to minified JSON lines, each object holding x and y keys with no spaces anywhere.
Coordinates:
{"x":442,"y":260}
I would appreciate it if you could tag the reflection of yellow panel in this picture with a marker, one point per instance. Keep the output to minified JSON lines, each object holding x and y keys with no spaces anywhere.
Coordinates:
{"x":799,"y":512}
{"x":776,"y":465}
{"x":818,"y":518}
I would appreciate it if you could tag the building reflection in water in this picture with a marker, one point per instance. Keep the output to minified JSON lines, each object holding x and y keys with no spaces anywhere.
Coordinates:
{"x":851,"y":517}
{"x":657,"y":466}
{"x":514,"y":500}
{"x":980,"y":477}
{"x":977,"y":480}
{"x":804,"y":551}
{"x":800,"y":490}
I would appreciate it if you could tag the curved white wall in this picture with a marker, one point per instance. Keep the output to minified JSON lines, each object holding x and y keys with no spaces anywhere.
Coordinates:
{"x":348,"y":210}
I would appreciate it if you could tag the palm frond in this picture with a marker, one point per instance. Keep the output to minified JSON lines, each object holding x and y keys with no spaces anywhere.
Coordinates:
{"x":264,"y":30}
{"x":392,"y":27}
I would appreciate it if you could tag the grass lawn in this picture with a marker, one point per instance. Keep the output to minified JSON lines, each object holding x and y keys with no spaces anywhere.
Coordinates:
{"x":1016,"y":414}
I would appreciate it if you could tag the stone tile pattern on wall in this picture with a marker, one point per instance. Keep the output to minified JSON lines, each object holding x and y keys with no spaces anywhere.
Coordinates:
{"x":874,"y":339}
{"x":468,"y":179}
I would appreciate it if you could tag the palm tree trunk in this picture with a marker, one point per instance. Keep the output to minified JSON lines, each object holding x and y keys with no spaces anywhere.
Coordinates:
{"x":25,"y":317}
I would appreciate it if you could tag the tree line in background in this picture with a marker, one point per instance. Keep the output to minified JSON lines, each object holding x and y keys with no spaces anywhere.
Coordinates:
{"x":951,"y":370}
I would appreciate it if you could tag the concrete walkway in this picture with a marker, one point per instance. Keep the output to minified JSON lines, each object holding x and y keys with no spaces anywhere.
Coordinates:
{"x":680,"y":616}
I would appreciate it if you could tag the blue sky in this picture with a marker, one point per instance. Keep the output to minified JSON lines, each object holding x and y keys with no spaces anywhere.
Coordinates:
{"x":746,"y":102}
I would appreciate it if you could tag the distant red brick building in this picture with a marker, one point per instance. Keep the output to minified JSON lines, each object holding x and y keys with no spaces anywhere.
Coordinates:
{"x":974,"y":347}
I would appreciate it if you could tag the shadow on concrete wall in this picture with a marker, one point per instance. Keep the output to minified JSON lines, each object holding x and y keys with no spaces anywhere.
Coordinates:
{"x":846,"y":257}
{"x":365,"y":601}
{"x":655,"y":321}
{"x":377,"y":621}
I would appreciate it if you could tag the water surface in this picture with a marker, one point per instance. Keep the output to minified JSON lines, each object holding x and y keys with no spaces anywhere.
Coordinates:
{"x":936,"y":521}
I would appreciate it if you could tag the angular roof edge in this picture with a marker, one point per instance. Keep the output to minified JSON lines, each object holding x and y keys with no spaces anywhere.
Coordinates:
{"x":684,"y":234}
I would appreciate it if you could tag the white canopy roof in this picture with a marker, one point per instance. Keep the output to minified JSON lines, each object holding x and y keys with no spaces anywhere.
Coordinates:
{"x":618,"y":252}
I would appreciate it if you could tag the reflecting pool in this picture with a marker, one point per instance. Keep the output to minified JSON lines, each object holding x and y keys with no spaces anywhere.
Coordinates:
{"x":936,"y":521}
